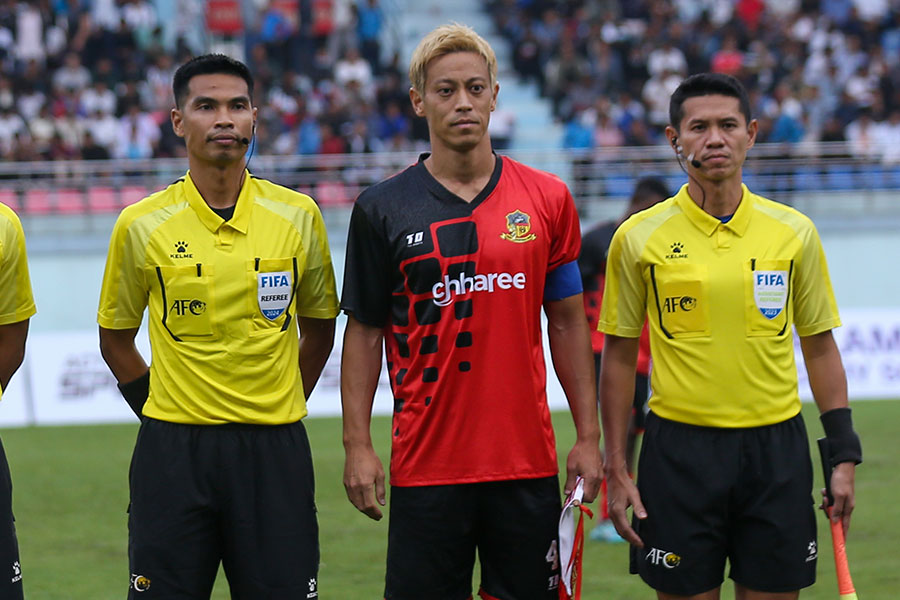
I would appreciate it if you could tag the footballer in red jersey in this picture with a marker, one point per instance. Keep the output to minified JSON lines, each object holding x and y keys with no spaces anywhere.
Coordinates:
{"x":448,"y":267}
{"x":458,"y":287}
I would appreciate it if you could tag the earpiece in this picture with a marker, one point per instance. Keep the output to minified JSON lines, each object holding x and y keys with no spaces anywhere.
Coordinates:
{"x":680,"y":150}
{"x":246,"y":141}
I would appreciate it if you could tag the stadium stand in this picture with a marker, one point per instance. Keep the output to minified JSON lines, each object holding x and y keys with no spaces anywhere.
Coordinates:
{"x":89,"y":80}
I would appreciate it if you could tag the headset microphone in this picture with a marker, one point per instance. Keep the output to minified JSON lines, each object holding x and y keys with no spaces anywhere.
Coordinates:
{"x":246,"y":142}
{"x":694,"y":162}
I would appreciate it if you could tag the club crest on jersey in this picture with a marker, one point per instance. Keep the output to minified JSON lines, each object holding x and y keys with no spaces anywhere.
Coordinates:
{"x":770,"y":289}
{"x":273,"y":292}
{"x":518,"y":226}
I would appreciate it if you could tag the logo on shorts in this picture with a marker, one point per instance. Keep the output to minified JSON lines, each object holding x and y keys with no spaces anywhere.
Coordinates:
{"x":518,"y":224}
{"x":813,"y":550}
{"x":139,"y":583}
{"x":658,"y":557}
{"x":17,"y":572}
{"x":313,"y":592}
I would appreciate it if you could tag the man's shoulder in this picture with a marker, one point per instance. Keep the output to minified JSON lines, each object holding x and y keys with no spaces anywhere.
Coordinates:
{"x":782,"y":212}
{"x":533,"y":175}
{"x":8,"y":215}
{"x":280,"y":194}
{"x":387,"y":192}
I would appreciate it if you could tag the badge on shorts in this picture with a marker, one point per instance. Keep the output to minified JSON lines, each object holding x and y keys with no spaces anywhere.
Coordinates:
{"x":770,"y":290}
{"x":274,"y":293}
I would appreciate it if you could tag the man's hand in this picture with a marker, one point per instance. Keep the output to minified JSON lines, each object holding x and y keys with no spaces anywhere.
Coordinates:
{"x":842,"y":491}
{"x":622,"y":493}
{"x":585,"y":459}
{"x":362,"y":472}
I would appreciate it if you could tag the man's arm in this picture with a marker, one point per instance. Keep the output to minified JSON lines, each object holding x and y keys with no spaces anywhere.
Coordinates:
{"x":12,"y":349}
{"x":570,"y":349}
{"x":360,"y":370}
{"x":127,"y":365}
{"x":316,"y":342}
{"x":618,"y":363}
{"x":121,"y":354}
{"x":828,"y":383}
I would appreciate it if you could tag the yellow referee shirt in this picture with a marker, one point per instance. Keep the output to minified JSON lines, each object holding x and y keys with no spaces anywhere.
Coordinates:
{"x":223,"y":299}
{"x":721,"y":299}
{"x":16,"y":301}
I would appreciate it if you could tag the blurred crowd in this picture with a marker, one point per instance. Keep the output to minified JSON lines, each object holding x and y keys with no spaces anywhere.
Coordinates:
{"x":91,"y":79}
{"x":816,"y":70}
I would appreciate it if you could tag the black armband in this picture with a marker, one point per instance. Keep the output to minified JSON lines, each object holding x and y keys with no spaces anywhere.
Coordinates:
{"x":136,"y":392}
{"x":843,"y":442}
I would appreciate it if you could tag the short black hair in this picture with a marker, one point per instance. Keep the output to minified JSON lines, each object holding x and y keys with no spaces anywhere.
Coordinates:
{"x":707,"y":84}
{"x":208,"y":64}
{"x":649,"y":187}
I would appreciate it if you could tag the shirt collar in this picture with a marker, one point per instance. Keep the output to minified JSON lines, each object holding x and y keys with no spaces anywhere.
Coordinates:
{"x":211,"y":220}
{"x":707,"y":223}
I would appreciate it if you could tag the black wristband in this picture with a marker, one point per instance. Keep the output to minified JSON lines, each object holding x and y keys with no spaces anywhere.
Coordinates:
{"x":843,"y":443}
{"x":136,"y":392}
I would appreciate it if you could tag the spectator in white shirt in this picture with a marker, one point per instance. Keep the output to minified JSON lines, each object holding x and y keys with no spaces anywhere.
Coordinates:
{"x":98,"y":97}
{"x":72,"y":76}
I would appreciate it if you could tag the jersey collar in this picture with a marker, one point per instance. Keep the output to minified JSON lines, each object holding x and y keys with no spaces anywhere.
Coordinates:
{"x":436,"y":188}
{"x":707,"y":223}
{"x":211,"y":220}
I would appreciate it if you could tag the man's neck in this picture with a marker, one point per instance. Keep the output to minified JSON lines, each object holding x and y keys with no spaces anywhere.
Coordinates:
{"x":463,"y":173}
{"x":219,"y":186}
{"x":718,"y":198}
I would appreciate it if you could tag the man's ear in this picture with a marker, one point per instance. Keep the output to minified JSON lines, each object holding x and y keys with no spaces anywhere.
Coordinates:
{"x":416,"y":99}
{"x":177,"y":123}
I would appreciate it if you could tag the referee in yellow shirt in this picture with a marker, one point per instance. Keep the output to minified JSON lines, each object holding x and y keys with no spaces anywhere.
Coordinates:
{"x":227,"y":266}
{"x":16,"y":308}
{"x":723,"y":276}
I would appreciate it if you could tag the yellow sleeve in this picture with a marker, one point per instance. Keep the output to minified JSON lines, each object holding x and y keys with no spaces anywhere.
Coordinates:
{"x":815,"y":308}
{"x":124,"y":293}
{"x":316,"y":292}
{"x":16,"y":299}
{"x":624,"y":306}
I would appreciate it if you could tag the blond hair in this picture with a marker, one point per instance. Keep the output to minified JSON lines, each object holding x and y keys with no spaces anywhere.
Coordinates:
{"x":447,"y":39}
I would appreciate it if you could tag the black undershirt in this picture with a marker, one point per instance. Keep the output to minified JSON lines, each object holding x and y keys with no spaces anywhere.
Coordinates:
{"x":225,"y":213}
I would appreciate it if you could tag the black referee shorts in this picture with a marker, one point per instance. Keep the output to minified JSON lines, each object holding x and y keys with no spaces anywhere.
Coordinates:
{"x":714,"y":494}
{"x":10,"y":568}
{"x":242,"y":495}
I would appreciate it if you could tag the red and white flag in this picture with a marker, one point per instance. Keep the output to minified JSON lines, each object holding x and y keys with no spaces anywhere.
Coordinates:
{"x":571,"y":542}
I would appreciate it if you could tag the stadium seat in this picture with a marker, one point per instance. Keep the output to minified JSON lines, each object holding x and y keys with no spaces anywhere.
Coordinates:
{"x":69,"y":201}
{"x":331,"y":193}
{"x":102,"y":200}
{"x":130,"y":194}
{"x":618,"y":186}
{"x":807,"y":179}
{"x":37,"y":201}
{"x":10,"y":198}
{"x":839,"y":178}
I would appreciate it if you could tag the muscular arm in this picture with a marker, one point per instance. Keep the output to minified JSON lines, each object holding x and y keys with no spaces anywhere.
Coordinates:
{"x":316,"y":342}
{"x":619,"y":361}
{"x":829,"y":387}
{"x":360,"y":370}
{"x":570,"y":350}
{"x":121,"y":355}
{"x":12,"y":349}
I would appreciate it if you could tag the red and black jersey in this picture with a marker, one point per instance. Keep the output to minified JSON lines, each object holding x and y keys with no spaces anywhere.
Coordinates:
{"x":458,"y":287}
{"x":592,"y":265}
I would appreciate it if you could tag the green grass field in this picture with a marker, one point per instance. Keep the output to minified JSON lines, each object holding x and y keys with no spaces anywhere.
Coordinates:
{"x":70,"y":494}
